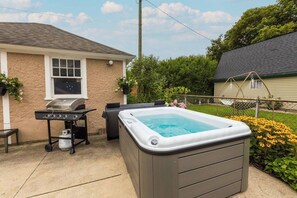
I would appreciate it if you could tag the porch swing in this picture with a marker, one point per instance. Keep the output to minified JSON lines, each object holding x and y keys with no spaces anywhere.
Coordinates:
{"x":241,"y":104}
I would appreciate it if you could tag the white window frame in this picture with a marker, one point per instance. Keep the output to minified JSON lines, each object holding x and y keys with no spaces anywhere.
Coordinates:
{"x":49,"y":78}
{"x":256,"y":84}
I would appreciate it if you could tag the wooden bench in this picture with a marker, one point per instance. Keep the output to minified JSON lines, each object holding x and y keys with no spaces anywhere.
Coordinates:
{"x":5,"y":133}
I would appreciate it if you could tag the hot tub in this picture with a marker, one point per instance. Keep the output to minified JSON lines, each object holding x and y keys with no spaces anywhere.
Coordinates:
{"x":173,"y":152}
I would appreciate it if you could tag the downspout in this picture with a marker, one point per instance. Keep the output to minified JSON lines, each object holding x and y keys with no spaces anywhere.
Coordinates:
{"x":124,"y":75}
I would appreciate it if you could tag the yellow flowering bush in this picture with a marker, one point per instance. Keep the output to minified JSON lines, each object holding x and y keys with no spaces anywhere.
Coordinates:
{"x":270,"y":140}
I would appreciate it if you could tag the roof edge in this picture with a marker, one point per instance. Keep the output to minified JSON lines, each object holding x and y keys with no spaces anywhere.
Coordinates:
{"x":262,"y":76}
{"x":260,"y":42}
{"x":39,"y":50}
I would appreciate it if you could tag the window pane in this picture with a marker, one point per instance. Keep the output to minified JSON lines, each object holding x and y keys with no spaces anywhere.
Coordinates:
{"x":77,"y":64}
{"x":62,"y":63}
{"x":70,"y":72}
{"x":63,"y":72}
{"x":77,"y":72}
{"x":55,"y":62}
{"x":67,"y":86}
{"x":70,"y":63}
{"x":55,"y":71}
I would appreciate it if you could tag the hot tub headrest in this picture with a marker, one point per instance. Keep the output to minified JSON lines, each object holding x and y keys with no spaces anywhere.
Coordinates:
{"x":113,"y":105}
{"x":159,"y":102}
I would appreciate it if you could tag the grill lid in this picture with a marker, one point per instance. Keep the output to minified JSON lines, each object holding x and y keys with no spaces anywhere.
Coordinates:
{"x":63,"y":104}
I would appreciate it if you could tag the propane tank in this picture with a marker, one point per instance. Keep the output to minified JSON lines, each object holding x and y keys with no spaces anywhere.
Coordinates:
{"x":65,"y":144}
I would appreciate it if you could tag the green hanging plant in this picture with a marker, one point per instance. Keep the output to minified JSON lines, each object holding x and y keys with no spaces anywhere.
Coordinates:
{"x":125,"y":84}
{"x":12,"y":85}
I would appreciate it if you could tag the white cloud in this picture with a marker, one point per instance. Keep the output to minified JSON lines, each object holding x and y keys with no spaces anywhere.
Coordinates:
{"x":16,"y":3}
{"x":128,"y":22}
{"x":46,"y":17}
{"x":217,"y":17}
{"x":177,"y":9}
{"x":13,"y":17}
{"x":184,"y":37}
{"x":173,"y":9}
{"x":148,"y":11}
{"x":155,"y":20}
{"x":82,"y":18}
{"x":150,"y":22}
{"x":111,"y":7}
{"x":220,"y":28}
{"x":178,"y":26}
{"x":54,"y":18}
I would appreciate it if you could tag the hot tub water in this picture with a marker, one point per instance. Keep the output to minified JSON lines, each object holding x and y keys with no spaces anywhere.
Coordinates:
{"x":170,"y":125}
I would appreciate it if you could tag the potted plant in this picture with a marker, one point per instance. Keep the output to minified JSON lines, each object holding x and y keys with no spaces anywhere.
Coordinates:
{"x":125,"y":85}
{"x":3,"y":82}
{"x":12,"y":85}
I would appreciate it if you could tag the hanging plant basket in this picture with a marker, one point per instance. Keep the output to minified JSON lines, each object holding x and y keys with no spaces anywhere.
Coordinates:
{"x":3,"y":90}
{"x":126,"y":89}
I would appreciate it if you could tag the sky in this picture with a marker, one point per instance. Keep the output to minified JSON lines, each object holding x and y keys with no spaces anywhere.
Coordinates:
{"x":115,"y":22}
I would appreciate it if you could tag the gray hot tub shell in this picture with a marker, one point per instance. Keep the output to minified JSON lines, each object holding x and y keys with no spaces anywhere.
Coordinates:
{"x":216,"y":170}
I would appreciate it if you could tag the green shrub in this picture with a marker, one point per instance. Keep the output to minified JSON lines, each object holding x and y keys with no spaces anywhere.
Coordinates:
{"x":274,"y":105}
{"x":286,"y":169}
{"x":169,"y":93}
{"x":150,"y":82}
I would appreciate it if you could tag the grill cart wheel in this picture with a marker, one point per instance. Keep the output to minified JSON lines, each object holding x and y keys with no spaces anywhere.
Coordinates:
{"x":87,"y":142}
{"x":48,"y":148}
{"x":72,"y":151}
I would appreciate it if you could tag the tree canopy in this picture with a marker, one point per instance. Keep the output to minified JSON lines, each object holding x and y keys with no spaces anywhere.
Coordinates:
{"x":255,"y":25}
{"x":154,"y":77}
{"x":193,"y":72}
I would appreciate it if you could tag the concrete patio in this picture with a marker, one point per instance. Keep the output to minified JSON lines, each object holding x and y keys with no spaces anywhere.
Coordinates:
{"x":95,"y":170}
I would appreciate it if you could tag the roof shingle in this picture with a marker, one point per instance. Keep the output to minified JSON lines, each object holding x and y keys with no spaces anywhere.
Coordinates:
{"x":47,"y":36}
{"x":273,"y":57}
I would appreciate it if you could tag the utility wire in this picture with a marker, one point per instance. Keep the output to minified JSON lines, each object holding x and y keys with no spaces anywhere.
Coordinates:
{"x":178,"y":21}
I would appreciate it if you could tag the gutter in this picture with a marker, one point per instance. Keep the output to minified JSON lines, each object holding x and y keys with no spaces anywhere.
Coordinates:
{"x":268,"y":76}
{"x":51,"y":51}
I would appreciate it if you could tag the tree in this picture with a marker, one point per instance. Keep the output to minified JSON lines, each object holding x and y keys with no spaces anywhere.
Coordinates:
{"x":150,"y":82}
{"x":155,"y":78}
{"x":193,"y":72}
{"x":255,"y":25}
{"x":216,"y":49}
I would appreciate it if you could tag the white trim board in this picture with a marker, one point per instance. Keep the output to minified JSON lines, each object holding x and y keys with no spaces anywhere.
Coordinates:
{"x":5,"y":98}
{"x":124,"y":75}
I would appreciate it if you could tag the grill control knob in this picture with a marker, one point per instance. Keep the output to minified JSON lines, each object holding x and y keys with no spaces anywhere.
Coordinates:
{"x":75,"y":116}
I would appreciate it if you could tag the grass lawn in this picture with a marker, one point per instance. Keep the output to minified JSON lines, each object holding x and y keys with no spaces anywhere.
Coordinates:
{"x":223,"y":111}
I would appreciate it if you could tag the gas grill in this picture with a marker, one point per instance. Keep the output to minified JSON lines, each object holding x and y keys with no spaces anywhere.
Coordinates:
{"x":69,"y":111}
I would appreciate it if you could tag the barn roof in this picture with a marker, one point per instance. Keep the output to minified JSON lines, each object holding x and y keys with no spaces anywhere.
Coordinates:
{"x":271,"y":58}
